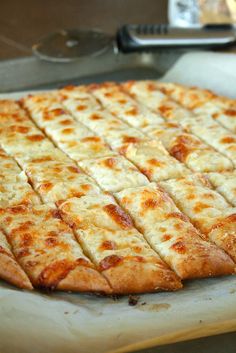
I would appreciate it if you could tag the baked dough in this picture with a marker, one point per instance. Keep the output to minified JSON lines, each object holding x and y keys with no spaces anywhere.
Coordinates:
{"x":107,"y":235}
{"x":170,"y":233}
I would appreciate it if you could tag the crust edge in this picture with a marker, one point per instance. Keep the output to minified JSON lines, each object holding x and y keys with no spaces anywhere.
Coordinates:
{"x":11,"y":272}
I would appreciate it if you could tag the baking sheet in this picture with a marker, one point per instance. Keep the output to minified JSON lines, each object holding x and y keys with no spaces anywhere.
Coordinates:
{"x":63,"y":322}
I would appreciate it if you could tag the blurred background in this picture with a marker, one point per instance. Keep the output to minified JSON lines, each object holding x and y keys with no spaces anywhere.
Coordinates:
{"x":24,"y":22}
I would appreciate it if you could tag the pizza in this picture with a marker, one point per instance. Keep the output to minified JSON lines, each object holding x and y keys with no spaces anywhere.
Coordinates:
{"x":123,"y":106}
{"x":153,"y":160}
{"x":117,"y":188}
{"x":189,"y":149}
{"x":114,"y":173}
{"x":46,"y":249}
{"x":204,"y":102}
{"x":116,"y":247}
{"x":172,"y":235}
{"x":225,"y":184}
{"x":184,"y":146}
{"x":206,"y":208}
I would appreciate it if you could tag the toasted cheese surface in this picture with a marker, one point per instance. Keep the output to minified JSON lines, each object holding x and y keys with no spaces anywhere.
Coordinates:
{"x":171,"y":234}
{"x":56,"y":181}
{"x":43,"y":244}
{"x":14,"y":186}
{"x":206,"y":208}
{"x":149,"y":94}
{"x":225,"y":184}
{"x":10,"y":172}
{"x":213,"y":134}
{"x":107,"y":234}
{"x":123,"y":106}
{"x":71,"y":136}
{"x":114,"y":173}
{"x":192,"y":150}
{"x":189,"y":149}
{"x":223,"y":113}
{"x":153,"y":160}
{"x":12,"y":194}
{"x":203,"y":102}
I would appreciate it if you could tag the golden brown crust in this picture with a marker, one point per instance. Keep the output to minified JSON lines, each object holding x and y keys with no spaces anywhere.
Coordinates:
{"x":84,"y":279}
{"x":212,"y":263}
{"x":224,"y":235}
{"x":140,"y":277}
{"x":11,"y":272}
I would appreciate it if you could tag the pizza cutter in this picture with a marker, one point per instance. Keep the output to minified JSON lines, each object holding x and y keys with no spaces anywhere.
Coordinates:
{"x":69,"y":45}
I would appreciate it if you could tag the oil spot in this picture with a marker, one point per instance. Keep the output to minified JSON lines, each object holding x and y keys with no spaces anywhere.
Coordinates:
{"x":154,"y":307}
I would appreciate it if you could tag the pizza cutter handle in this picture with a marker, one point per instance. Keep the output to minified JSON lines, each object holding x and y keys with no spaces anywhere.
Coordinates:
{"x":147,"y":37}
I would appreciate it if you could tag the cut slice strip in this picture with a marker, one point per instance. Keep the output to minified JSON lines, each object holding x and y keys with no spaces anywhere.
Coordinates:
{"x":46,"y":249}
{"x":207,"y":210}
{"x":222,"y":112}
{"x":13,"y":194}
{"x":153,"y":160}
{"x":71,"y":136}
{"x":149,"y":156}
{"x":188,"y":97}
{"x":212,"y":133}
{"x":170,"y":233}
{"x":10,"y":271}
{"x":14,"y":187}
{"x":225,"y":184}
{"x":56,"y":181}
{"x":10,"y":172}
{"x":149,"y":94}
{"x":203,"y":102}
{"x":185,"y":147}
{"x":26,"y":141}
{"x":107,"y":235}
{"x":114,"y":173}
{"x":123,"y":106}
{"x":189,"y":149}
{"x":117,"y":138}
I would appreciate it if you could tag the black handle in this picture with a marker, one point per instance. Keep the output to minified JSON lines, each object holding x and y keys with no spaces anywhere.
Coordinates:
{"x":133,"y":38}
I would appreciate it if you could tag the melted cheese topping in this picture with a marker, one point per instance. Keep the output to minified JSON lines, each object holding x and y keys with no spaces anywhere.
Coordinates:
{"x":222,"y":113}
{"x":189,"y":149}
{"x":56,"y":181}
{"x":169,"y":232}
{"x":149,"y":94}
{"x":212,"y":133}
{"x":225,"y":184}
{"x":185,"y":147}
{"x":203,"y":102}
{"x":206,"y":208}
{"x":12,"y":194}
{"x":114,"y":173}
{"x":43,"y":244}
{"x":105,"y":230}
{"x":124,"y":107}
{"x":153,"y":160}
{"x":9,"y":170}
{"x":14,"y":188}
{"x":71,"y":136}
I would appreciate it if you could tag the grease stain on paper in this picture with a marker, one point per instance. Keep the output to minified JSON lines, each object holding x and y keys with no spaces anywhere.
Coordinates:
{"x":154,"y":307}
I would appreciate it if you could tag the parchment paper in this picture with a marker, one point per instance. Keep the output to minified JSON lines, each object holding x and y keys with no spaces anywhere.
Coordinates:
{"x":34,"y":322}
